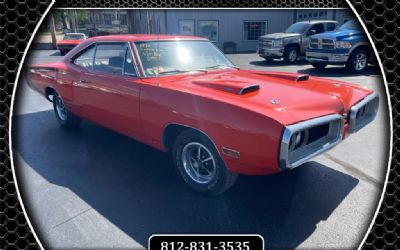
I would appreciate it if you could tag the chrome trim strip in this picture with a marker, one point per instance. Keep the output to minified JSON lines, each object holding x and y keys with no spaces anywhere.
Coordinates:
{"x":284,"y":162}
{"x":354,"y":127}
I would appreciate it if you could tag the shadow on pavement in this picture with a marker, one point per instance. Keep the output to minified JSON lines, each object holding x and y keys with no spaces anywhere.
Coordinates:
{"x":340,"y":71}
{"x":135,"y":187}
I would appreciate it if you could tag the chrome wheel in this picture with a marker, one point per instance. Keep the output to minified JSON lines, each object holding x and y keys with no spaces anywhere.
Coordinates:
{"x":60,"y":108}
{"x":198,"y":162}
{"x":360,"y":61}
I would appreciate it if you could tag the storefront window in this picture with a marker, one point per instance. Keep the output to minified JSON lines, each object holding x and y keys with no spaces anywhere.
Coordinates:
{"x":209,"y":30}
{"x":253,"y":30}
{"x":186,"y":27}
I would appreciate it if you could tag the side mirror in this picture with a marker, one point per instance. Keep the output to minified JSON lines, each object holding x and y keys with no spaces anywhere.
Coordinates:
{"x":311,"y":32}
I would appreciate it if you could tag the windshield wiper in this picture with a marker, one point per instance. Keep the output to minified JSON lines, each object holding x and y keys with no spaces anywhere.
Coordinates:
{"x":221,"y":66}
{"x":181,"y":71}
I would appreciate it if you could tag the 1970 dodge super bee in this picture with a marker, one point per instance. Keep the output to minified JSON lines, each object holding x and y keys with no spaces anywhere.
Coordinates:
{"x":181,"y":94}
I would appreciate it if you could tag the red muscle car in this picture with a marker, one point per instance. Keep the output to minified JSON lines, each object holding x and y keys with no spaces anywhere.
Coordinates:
{"x":69,"y":41}
{"x":181,"y":94}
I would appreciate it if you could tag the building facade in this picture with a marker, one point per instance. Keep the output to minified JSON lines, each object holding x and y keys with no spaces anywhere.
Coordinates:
{"x":240,"y":27}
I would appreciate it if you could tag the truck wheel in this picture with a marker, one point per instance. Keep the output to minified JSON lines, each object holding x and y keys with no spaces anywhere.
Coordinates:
{"x":199,"y":164}
{"x":64,"y":117}
{"x":290,"y":54}
{"x":358,"y":61}
{"x":319,"y":65}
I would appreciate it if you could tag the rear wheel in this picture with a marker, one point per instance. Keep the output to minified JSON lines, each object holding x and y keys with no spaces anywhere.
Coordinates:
{"x":319,"y":65}
{"x":199,"y":164}
{"x":290,"y":54}
{"x":64,"y":117}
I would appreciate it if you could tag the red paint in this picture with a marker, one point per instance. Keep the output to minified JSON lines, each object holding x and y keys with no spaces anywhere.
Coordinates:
{"x":69,"y":42}
{"x":251,"y":123}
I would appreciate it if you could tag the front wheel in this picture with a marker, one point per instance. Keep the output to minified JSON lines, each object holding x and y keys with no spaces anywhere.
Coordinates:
{"x":64,"y":117}
{"x":290,"y":54}
{"x":358,"y":61}
{"x":199,"y":164}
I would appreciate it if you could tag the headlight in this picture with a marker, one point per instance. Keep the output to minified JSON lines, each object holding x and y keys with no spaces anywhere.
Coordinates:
{"x":277,"y":43}
{"x":298,"y":140}
{"x":342,"y":45}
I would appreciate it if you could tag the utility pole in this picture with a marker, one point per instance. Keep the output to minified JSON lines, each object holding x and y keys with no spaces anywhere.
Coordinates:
{"x":53,"y":30}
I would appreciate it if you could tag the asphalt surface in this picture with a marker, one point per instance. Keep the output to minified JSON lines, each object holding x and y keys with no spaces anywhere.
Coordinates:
{"x":93,"y":188}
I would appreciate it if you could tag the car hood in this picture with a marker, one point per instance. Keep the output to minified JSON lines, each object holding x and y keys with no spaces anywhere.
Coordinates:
{"x":339,"y":34}
{"x":286,"y":97}
{"x":280,"y":35}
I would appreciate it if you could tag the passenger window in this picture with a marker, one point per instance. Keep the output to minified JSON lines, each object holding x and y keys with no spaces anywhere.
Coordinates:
{"x":319,"y":28}
{"x":85,"y":59}
{"x":110,"y":58}
{"x":330,"y":27}
{"x":129,"y":67}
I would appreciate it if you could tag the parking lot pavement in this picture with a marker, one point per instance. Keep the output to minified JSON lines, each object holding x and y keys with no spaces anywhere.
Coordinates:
{"x":94,"y":188}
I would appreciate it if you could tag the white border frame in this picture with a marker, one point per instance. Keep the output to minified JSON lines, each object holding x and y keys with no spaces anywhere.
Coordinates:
{"x":11,"y":117}
{"x":351,"y":8}
{"x":210,"y":235}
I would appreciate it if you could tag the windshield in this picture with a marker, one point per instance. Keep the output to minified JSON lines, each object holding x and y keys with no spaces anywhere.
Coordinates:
{"x":297,"y":28}
{"x":176,"y":57}
{"x":350,"y":25}
{"x":74,"y":36}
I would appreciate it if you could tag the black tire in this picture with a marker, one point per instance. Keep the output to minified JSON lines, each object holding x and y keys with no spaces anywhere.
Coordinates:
{"x":288,"y":56}
{"x":358,"y":61}
{"x":319,"y":65}
{"x":221,"y":180}
{"x":65,"y":118}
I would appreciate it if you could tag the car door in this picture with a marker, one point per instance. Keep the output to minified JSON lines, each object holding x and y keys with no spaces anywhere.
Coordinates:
{"x":318,"y":28}
{"x":109,"y":92}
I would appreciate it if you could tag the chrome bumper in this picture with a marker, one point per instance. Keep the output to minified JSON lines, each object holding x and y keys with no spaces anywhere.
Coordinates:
{"x":363,"y":112}
{"x":270,"y":51}
{"x":320,"y":57}
{"x":291,"y":157}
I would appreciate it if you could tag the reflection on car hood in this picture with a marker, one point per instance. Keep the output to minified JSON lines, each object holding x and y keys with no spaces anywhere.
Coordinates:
{"x":286,"y":97}
{"x":280,"y":35}
{"x":338,"y":34}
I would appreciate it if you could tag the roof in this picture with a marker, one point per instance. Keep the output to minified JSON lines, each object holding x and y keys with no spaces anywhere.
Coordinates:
{"x":318,"y":21}
{"x":144,"y":37}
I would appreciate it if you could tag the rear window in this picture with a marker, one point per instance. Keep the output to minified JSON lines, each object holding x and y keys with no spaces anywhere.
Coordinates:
{"x":74,"y":36}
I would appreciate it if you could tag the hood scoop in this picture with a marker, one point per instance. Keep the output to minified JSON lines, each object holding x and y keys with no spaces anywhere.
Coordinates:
{"x":230,"y":86}
{"x":286,"y":76}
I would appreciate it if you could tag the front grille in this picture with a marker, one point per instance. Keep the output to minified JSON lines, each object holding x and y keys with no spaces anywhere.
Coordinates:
{"x":304,"y":140}
{"x":322,"y":43}
{"x":265,"y":43}
{"x":363,"y":112}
